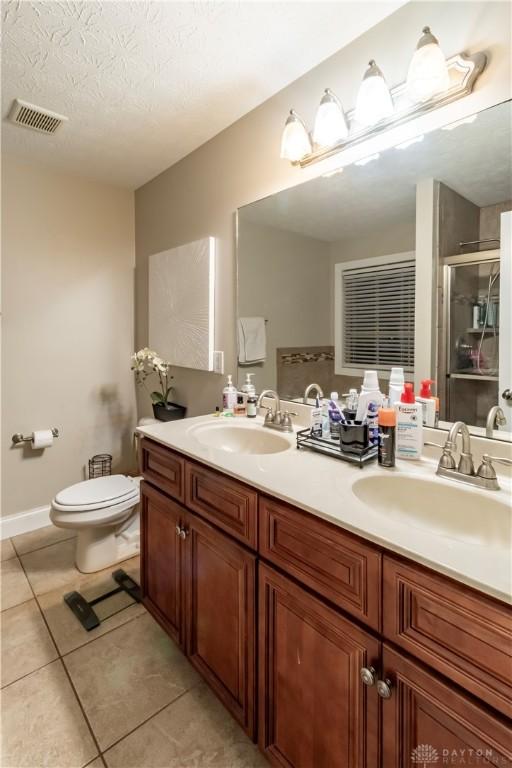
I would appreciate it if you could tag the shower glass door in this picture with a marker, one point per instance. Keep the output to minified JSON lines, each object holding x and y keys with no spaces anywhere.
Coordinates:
{"x":473,"y":322}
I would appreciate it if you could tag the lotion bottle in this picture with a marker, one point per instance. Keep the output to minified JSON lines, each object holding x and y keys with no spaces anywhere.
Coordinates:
{"x":428,"y":403}
{"x":409,"y":425}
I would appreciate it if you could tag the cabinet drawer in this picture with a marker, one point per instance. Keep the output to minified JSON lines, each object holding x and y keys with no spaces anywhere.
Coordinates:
{"x":163,"y":468}
{"x":464,"y":635}
{"x":328,"y":560}
{"x":224,"y":502}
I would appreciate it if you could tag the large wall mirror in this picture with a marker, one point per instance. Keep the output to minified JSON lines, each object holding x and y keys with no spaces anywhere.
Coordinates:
{"x":402,"y":259}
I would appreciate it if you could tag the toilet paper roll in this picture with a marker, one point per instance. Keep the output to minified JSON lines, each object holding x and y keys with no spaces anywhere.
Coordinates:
{"x":42,"y":438}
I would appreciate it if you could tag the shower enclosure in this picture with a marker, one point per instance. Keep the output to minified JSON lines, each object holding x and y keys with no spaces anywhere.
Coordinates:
{"x":471,"y":319}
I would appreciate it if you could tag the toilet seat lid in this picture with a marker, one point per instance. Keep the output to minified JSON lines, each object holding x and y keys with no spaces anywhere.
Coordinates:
{"x":100,"y":491}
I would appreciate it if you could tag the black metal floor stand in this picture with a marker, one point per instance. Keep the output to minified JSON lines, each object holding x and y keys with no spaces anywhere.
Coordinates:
{"x":83,"y":609}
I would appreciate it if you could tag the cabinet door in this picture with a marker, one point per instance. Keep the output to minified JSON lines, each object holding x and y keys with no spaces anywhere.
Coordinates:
{"x":313,"y":708}
{"x":161,"y":566}
{"x":427,"y":722}
{"x":221,"y":604}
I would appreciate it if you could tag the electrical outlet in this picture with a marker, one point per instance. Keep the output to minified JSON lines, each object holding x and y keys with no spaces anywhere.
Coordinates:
{"x":218,"y":362}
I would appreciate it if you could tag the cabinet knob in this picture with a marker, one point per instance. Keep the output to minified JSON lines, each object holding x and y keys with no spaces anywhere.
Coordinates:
{"x":384,"y":688}
{"x":507,"y":394}
{"x":368,"y":675}
{"x":183,"y":533}
{"x":178,"y":530}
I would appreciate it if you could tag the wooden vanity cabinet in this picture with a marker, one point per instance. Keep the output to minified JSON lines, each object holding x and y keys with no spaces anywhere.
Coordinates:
{"x":264,"y":597}
{"x":220,"y":617}
{"x":200,"y":586}
{"x":428,"y":722}
{"x":162,"y":560}
{"x":313,"y":708}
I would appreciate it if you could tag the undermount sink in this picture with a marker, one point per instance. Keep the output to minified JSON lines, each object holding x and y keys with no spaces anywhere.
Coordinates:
{"x":451,"y":511}
{"x":253,"y":440}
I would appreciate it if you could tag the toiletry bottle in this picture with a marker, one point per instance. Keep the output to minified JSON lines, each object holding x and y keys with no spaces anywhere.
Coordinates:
{"x":350,"y":409}
{"x":372,"y":419}
{"x":316,"y":419}
{"x":396,"y":385}
{"x":370,"y":392}
{"x":387,"y":435}
{"x":229,"y":397}
{"x":335,"y":417}
{"x":248,"y":387}
{"x":427,"y":402}
{"x":240,"y":407}
{"x":409,"y":425}
{"x":252,"y":406}
{"x":326,"y":424}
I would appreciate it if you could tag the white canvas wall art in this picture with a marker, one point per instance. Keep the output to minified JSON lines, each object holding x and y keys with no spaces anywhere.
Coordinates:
{"x":181,"y":304}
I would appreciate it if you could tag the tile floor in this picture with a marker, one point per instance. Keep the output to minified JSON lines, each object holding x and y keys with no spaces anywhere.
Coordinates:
{"x":121,"y":696}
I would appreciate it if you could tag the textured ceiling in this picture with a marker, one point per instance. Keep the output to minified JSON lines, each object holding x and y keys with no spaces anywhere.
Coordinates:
{"x":361,"y":199}
{"x":145,"y":83}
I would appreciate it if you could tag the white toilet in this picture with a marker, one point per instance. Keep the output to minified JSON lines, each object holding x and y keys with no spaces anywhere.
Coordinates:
{"x":105,"y":514}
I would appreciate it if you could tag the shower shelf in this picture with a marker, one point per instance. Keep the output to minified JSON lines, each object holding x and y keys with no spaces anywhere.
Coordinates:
{"x":472,"y":376}
{"x":488,"y":329}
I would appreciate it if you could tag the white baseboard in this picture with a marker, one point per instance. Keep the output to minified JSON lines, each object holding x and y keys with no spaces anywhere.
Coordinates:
{"x":24,"y":522}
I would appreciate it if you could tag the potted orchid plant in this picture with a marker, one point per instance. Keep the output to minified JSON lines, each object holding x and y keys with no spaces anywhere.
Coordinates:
{"x":146,"y":363}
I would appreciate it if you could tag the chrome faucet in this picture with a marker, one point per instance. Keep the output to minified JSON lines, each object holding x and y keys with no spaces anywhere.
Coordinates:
{"x":464,"y":472}
{"x":309,"y":389}
{"x":274,"y":419}
{"x":495,"y":417}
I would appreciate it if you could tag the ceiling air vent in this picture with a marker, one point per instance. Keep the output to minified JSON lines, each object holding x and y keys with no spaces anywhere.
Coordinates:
{"x":37,"y":118}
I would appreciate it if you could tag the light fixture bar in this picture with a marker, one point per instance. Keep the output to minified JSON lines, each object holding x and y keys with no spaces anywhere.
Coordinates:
{"x":463,"y":71}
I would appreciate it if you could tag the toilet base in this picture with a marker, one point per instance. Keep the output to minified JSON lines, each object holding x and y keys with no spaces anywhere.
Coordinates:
{"x":101,"y":547}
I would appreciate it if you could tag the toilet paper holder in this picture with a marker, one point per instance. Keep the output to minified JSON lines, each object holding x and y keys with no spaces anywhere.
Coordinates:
{"x":18,"y":438}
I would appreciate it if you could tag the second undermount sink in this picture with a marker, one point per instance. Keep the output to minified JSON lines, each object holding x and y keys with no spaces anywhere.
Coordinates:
{"x":451,"y":511}
{"x":234,"y":439}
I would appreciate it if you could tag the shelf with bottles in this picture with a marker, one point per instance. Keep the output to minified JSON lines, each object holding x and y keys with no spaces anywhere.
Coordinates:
{"x":486,"y":329}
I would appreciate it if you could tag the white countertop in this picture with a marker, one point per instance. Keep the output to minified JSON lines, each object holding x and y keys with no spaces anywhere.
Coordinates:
{"x":323,"y":486}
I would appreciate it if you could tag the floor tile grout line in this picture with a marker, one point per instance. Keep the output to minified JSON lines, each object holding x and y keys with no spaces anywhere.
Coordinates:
{"x":95,"y":740}
{"x":27,"y":674}
{"x":98,"y":637}
{"x":143,"y":722}
{"x":23,"y":602}
{"x":38,"y":549}
{"x":61,"y":660}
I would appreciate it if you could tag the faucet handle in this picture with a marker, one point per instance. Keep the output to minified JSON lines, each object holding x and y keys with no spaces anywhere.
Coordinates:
{"x":286,"y":420}
{"x":486,"y":468}
{"x":446,"y":461}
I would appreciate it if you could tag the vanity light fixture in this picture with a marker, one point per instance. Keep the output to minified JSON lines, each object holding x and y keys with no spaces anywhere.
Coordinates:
{"x":409,"y":142}
{"x":374,"y":102}
{"x":428,"y":73}
{"x":368,"y":159}
{"x":330,"y":122}
{"x":432,"y":82}
{"x":295,"y":142}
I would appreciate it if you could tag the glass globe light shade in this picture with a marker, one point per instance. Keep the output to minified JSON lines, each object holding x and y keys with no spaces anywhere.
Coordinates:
{"x":374,"y":102}
{"x":428,"y":73}
{"x":295,"y":142}
{"x":330,"y":122}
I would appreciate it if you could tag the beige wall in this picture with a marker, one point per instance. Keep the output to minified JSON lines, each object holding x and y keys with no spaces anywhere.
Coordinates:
{"x":285,"y":277}
{"x":199,"y":195}
{"x":68,"y":261}
{"x":384,"y":242}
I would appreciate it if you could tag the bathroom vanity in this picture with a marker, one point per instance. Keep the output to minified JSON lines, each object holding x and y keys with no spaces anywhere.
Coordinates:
{"x":322,"y":631}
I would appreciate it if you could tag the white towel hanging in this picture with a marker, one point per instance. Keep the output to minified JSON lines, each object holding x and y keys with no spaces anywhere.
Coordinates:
{"x":252,"y":340}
